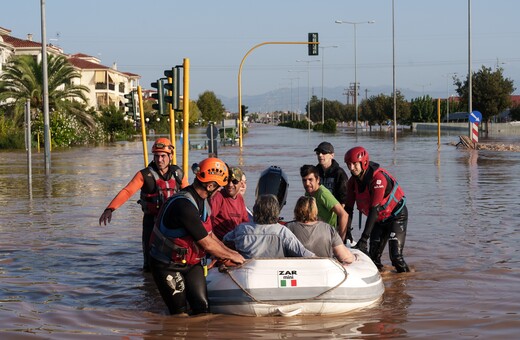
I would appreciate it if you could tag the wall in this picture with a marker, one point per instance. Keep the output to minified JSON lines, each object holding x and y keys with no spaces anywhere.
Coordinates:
{"x":495,"y":129}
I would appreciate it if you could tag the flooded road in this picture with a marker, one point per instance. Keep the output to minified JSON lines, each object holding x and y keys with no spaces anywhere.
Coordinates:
{"x":63,"y":276}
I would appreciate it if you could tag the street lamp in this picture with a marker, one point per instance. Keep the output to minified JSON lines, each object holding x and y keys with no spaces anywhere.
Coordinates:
{"x":298,"y":89}
{"x":292,"y":107}
{"x":322,"y":76}
{"x":355,"y":61}
{"x":453,"y":74}
{"x":308,"y":90}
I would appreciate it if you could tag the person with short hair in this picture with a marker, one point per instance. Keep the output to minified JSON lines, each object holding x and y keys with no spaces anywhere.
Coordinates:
{"x":332,"y":176}
{"x":329,"y":209}
{"x":266,"y":238}
{"x":158,"y":182}
{"x":228,"y":206}
{"x":317,"y":236}
{"x":181,"y":239}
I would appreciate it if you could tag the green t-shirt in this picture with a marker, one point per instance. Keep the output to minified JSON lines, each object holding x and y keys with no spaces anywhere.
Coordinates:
{"x":325,"y":202}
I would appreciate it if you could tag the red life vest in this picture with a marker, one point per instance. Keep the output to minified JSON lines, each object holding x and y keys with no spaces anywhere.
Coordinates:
{"x":163,"y":189}
{"x":387,"y":205}
{"x":176,"y":245}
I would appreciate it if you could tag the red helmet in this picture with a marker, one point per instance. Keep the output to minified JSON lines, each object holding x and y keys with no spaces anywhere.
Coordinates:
{"x":213,"y":169}
{"x":358,"y":154}
{"x":162,"y":145}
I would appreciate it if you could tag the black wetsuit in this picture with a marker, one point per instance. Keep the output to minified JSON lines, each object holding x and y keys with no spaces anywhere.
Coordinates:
{"x":179,"y":283}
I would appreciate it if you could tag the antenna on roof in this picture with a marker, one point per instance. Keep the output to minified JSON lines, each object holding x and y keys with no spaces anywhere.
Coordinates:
{"x":56,"y":39}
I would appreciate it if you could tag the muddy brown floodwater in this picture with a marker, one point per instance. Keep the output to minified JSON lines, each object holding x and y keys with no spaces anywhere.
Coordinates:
{"x":63,"y":276}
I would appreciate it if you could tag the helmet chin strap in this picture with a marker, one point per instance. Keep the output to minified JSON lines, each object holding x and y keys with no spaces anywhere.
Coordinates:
{"x":212,"y":191}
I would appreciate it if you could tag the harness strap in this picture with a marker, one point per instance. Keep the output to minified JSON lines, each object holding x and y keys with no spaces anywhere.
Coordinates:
{"x":166,"y":242}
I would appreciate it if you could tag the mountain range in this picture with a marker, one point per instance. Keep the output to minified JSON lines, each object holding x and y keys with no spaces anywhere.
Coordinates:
{"x":280,"y":99}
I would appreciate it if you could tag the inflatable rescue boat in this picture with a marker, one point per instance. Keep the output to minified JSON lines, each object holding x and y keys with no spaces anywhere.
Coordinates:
{"x":294,"y":286}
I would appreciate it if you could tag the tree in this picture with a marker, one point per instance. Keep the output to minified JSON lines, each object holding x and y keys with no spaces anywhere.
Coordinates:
{"x":380,"y":109}
{"x":22,"y":79}
{"x":423,"y":109}
{"x":211,"y":107}
{"x":113,"y":121}
{"x":515,"y":113}
{"x":491,"y":92}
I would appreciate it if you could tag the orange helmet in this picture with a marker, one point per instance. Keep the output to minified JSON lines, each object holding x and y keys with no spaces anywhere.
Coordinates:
{"x":213,"y":169}
{"x":162,"y":145}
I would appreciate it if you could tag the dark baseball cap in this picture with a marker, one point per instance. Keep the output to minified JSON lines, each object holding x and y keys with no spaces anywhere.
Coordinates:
{"x":324,"y":147}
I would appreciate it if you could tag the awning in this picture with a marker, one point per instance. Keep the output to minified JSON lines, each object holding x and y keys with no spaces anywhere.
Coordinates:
{"x":112,"y":78}
{"x":100,"y":77}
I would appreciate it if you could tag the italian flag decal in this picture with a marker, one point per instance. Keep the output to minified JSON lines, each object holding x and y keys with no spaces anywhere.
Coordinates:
{"x":287,"y":278}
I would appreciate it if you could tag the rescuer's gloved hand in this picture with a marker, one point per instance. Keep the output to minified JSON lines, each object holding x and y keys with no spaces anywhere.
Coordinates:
{"x":362,"y":245}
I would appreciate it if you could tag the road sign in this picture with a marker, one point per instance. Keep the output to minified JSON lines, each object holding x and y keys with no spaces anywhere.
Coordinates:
{"x":212,"y":131}
{"x":475,"y":117}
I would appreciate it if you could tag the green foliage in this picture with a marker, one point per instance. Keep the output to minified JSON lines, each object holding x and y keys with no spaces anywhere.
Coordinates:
{"x":331,"y":109}
{"x":67,"y":131}
{"x":71,"y":123}
{"x":11,"y":136}
{"x":423,"y":109}
{"x":212,"y":109}
{"x":515,"y":113}
{"x":330,"y":126}
{"x":22,"y":79}
{"x":491,"y":92}
{"x":297,"y":124}
{"x":114,"y":124}
{"x":379,"y":109}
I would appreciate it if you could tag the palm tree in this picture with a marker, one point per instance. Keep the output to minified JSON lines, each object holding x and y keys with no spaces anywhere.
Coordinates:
{"x":22,"y":79}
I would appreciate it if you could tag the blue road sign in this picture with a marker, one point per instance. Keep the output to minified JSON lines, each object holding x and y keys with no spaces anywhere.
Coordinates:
{"x":475,"y":117}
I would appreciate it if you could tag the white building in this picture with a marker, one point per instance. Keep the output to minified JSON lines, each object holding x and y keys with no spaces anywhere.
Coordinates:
{"x":107,"y":85}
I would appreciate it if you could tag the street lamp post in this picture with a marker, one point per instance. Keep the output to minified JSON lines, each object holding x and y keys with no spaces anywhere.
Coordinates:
{"x":291,"y":109}
{"x":448,"y":95}
{"x":308,"y":90}
{"x":355,"y":61}
{"x":322,"y":77}
{"x":298,"y":92}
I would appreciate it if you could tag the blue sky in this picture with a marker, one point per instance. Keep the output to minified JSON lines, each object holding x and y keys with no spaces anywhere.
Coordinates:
{"x":147,"y":37}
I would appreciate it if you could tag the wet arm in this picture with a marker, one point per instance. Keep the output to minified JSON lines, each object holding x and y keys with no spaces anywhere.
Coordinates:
{"x":131,"y":188}
{"x":342,"y":220}
{"x":217,"y":249}
{"x":128,"y":191}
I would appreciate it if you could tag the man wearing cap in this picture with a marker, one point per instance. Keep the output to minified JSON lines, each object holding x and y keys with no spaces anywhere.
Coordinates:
{"x":332,"y":176}
{"x":159,"y":181}
{"x":228,"y":206}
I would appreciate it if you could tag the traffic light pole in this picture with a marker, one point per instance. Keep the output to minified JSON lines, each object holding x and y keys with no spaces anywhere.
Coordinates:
{"x":240,"y":133}
{"x":143,"y":125}
{"x":171,"y":114}
{"x":186,"y":116}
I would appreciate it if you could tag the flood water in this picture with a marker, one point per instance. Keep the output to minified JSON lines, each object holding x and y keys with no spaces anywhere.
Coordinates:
{"x":62,"y":276}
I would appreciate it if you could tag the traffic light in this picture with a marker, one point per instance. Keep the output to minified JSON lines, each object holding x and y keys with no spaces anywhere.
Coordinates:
{"x":243,"y":109}
{"x":159,"y":95}
{"x":313,"y":48}
{"x":131,"y":104}
{"x":173,"y":87}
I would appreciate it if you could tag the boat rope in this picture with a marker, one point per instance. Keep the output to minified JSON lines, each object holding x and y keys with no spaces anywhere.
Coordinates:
{"x":228,"y":270}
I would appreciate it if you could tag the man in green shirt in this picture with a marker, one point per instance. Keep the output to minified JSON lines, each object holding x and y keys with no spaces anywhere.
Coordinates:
{"x":329,"y":209}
